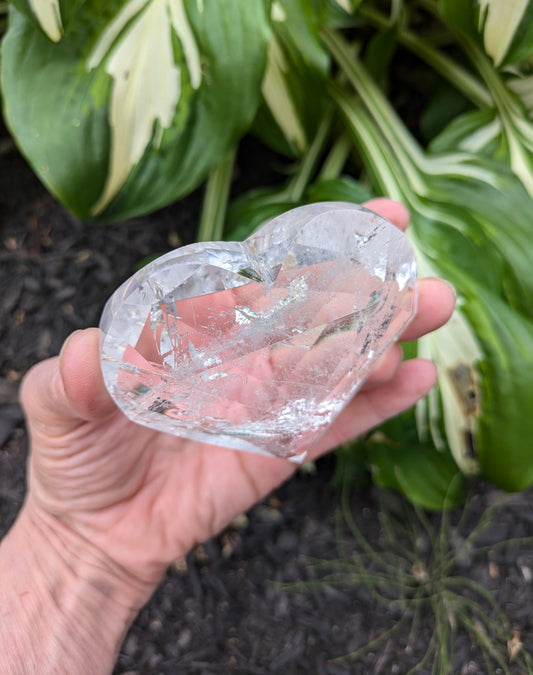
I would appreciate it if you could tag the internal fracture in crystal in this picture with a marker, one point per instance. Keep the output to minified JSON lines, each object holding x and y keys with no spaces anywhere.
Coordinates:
{"x":259,"y":345}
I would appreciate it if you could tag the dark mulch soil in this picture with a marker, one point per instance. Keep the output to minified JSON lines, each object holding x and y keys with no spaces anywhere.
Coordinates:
{"x":227,"y":608}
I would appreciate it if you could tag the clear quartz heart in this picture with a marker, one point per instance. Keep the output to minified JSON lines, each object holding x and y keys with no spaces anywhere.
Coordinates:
{"x":259,"y":345}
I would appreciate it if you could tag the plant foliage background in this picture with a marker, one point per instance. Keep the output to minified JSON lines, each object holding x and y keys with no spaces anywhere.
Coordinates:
{"x":124,"y":106}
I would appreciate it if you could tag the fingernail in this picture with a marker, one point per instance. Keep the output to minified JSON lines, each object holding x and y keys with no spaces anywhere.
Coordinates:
{"x":67,"y":342}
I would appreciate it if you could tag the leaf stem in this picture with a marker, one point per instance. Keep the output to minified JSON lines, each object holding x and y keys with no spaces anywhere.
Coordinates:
{"x":300,"y":181}
{"x":334,"y":163}
{"x":408,"y":154}
{"x":215,"y":202}
{"x":369,"y":144}
{"x":464,"y":81}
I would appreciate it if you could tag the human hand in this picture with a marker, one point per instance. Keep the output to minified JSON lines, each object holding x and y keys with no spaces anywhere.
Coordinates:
{"x":110,"y":503}
{"x":142,"y":498}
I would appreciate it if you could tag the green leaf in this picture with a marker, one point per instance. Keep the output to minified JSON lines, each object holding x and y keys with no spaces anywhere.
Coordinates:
{"x":426,"y":476}
{"x":343,"y":189}
{"x":497,"y":220}
{"x":444,"y":106}
{"x":505,"y":450}
{"x":351,"y":466}
{"x":473,"y":381}
{"x":67,"y":144}
{"x":293,"y":89}
{"x":396,"y":458}
{"x":461,"y":13}
{"x":477,"y":131}
{"x":380,"y":51}
{"x":515,"y":130}
{"x":251,"y":210}
{"x":471,"y":222}
{"x":340,"y":13}
{"x":505,"y":28}
{"x":124,"y":113}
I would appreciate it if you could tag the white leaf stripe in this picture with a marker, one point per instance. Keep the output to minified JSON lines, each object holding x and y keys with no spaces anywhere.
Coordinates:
{"x":499,"y":20}
{"x":110,"y":34}
{"x":278,"y":13}
{"x":146,"y":85}
{"x":346,"y":5}
{"x":278,"y":96}
{"x":523,"y":87}
{"x":48,"y":14}
{"x":479,"y":139}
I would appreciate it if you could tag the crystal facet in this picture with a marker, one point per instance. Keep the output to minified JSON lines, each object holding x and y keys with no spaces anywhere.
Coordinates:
{"x":259,"y":345}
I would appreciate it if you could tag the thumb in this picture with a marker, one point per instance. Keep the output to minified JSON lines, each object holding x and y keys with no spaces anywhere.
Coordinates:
{"x":61,"y":392}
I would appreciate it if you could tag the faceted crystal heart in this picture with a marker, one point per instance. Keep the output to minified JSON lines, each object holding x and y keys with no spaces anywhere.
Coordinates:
{"x":258,"y":345}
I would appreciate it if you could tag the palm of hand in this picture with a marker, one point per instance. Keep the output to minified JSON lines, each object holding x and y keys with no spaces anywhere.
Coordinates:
{"x":142,"y":496}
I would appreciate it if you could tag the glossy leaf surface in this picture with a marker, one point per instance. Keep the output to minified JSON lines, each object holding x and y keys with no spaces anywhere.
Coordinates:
{"x":141,"y":93}
{"x":504,"y":28}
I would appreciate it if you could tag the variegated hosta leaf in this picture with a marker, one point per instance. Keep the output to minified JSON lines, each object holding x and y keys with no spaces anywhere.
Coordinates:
{"x":294,"y":87}
{"x":471,"y":218}
{"x":477,"y":132}
{"x":504,"y":27}
{"x":494,"y":383}
{"x":278,"y":98}
{"x":450,"y":412}
{"x":507,"y":137}
{"x":125,"y":113}
{"x":496,"y":219}
{"x":515,"y":130}
{"x":477,"y":359}
{"x":146,"y":80}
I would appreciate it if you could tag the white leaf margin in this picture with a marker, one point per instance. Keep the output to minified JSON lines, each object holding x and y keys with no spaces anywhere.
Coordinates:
{"x":138,"y":53}
{"x":523,"y":88}
{"x":499,"y":20}
{"x":276,"y":90}
{"x":48,"y":15}
{"x":345,"y":5}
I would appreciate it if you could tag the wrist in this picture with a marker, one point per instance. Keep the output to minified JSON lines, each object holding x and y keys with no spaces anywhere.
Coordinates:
{"x":64,"y":606}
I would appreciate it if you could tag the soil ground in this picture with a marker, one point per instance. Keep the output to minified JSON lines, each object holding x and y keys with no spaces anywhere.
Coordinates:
{"x":251,"y":601}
